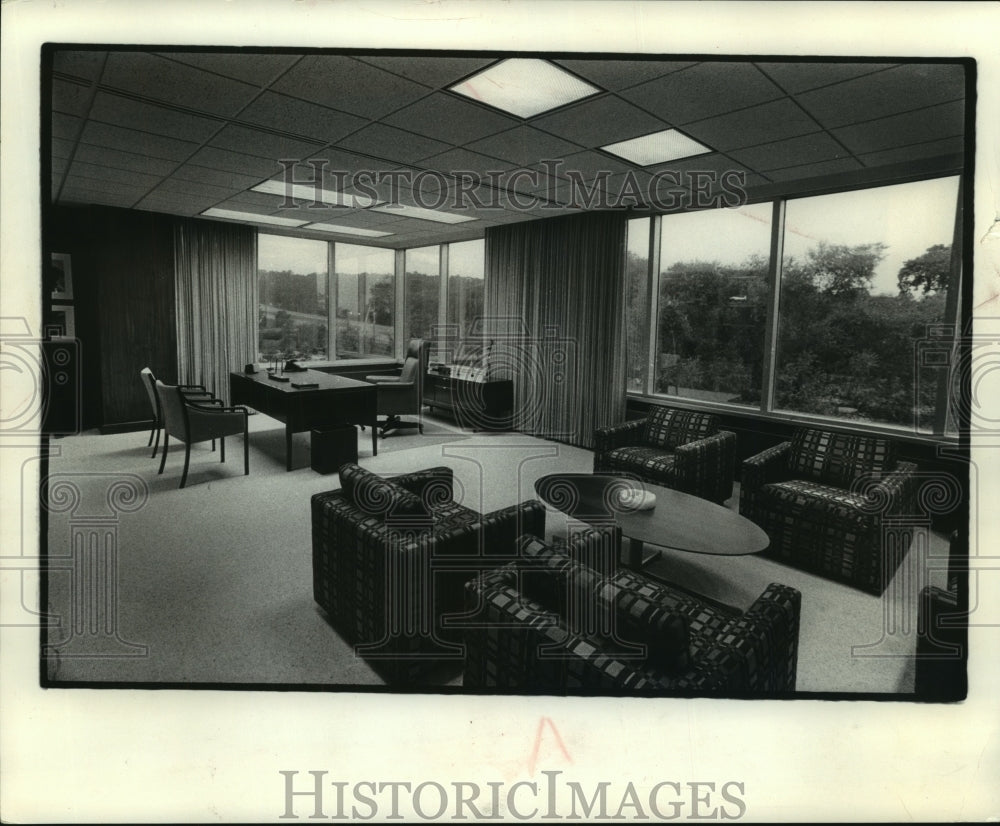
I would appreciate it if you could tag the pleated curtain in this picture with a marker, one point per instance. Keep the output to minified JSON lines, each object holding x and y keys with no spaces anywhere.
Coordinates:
{"x":555,"y":322}
{"x":216,"y":294}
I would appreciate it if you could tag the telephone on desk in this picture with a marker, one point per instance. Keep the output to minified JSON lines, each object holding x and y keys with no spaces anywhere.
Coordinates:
{"x":291,"y":366}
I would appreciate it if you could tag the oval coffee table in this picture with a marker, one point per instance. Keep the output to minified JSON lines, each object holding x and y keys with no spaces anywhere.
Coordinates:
{"x":677,"y":520}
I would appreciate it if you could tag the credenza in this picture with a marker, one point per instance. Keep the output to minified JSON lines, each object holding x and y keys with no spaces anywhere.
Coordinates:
{"x":476,"y":404}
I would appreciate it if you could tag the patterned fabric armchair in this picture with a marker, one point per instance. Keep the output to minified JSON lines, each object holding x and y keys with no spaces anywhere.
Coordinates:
{"x":390,"y":559}
{"x":827,"y":501}
{"x":548,"y":622}
{"x":679,"y":449}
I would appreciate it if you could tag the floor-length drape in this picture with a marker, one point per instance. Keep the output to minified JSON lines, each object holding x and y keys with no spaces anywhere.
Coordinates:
{"x":216,"y":289}
{"x":555,"y":313}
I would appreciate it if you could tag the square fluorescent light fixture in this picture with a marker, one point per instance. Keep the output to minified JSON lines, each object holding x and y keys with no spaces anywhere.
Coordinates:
{"x":659,"y":147}
{"x":251,"y":217}
{"x":407,"y":211}
{"x":308,"y":192}
{"x":365,"y":233}
{"x":524,"y":86}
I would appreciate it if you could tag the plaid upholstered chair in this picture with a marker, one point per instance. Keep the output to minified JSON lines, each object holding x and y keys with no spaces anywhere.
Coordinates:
{"x":390,"y":560}
{"x":827,"y":501}
{"x":679,"y":449}
{"x":548,"y":622}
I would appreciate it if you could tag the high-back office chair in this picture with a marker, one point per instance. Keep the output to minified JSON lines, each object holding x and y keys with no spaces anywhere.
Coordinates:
{"x":191,"y":421}
{"x":403,"y":394}
{"x":191,"y":391}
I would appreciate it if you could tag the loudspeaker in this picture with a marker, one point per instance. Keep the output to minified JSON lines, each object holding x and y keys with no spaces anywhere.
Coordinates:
{"x":60,"y":384}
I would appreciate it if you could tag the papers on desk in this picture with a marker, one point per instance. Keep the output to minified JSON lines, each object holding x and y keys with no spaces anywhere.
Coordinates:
{"x":305,"y":385}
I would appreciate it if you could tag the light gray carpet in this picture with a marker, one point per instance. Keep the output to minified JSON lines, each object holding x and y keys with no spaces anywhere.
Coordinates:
{"x":215,"y":580}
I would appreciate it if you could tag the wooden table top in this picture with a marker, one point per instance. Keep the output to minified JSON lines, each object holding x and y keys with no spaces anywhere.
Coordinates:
{"x":324,"y":381}
{"x":678,"y":520}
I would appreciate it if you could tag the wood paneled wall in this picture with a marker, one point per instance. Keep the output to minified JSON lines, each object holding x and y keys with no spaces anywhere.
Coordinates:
{"x":123,"y":273}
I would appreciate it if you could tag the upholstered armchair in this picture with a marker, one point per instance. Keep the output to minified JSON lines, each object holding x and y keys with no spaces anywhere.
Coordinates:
{"x":191,"y":421}
{"x":403,"y":394}
{"x":390,"y":560}
{"x":548,"y":622}
{"x":679,"y":449}
{"x":828,"y":500}
{"x":195,"y":392}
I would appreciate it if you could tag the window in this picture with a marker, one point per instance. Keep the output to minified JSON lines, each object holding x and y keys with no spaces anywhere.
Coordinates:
{"x":712,"y":304}
{"x":422,"y":292}
{"x":864,"y":287}
{"x":365,"y":301}
{"x":292,"y":309}
{"x":466,"y":276}
{"x":637,"y":303}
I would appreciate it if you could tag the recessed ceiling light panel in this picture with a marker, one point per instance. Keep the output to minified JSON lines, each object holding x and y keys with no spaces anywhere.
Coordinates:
{"x":366,"y":233}
{"x":524,"y":86}
{"x":251,"y":217}
{"x":658,"y":147}
{"x":407,"y":211}
{"x":309,"y":193}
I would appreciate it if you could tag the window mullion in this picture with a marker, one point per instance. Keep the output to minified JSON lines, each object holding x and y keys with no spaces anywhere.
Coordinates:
{"x":774,"y":294}
{"x":653,"y":303}
{"x":952,"y":310}
{"x":398,"y":319}
{"x":332,"y":300}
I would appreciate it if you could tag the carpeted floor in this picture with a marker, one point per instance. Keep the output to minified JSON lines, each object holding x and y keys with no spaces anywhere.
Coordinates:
{"x":213,"y":583}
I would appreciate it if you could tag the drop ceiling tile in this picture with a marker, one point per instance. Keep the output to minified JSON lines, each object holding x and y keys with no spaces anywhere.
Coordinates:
{"x":590,"y":164}
{"x":801,"y":150}
{"x":131,"y":161}
{"x":599,"y":121}
{"x":300,"y":117}
{"x":621,"y":74}
{"x":252,"y":67}
{"x":702,"y":91}
{"x":435,"y":72}
{"x":263,"y":144}
{"x":79,"y":63}
{"x":365,"y":219}
{"x":66,"y":127}
{"x":798,"y":77}
{"x":216,"y":177}
{"x":462,"y":160}
{"x":71,"y":98}
{"x":815,"y":170}
{"x":944,"y":121}
{"x":150,"y":76}
{"x":348,"y":85}
{"x":256,"y":202}
{"x":447,"y":118}
{"x":343,"y":166}
{"x":919,"y":151}
{"x":215,"y":158}
{"x":61,"y":148}
{"x":106,"y":173}
{"x":59,"y":166}
{"x":759,"y":124}
{"x":123,"y":199}
{"x":523,"y":146}
{"x":180,"y":187}
{"x":893,"y":91}
{"x":132,"y":140}
{"x":173,"y":204}
{"x":126,"y":191}
{"x":121,"y":111}
{"x":392,"y":144}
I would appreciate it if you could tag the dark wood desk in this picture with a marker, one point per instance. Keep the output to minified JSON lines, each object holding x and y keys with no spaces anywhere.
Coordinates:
{"x":336,"y":400}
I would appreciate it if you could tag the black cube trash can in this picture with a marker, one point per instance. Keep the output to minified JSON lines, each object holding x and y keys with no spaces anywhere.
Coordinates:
{"x":332,"y":447}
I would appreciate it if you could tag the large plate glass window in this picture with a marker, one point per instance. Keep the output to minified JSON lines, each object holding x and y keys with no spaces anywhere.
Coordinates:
{"x":712,"y":304}
{"x":365,"y":301}
{"x":865,"y":279}
{"x":292,"y":275}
